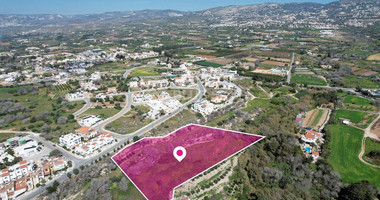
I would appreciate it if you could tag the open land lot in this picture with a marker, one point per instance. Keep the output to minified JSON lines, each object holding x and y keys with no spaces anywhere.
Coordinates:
{"x":354,"y":102}
{"x":144,"y":71}
{"x":131,"y":121}
{"x":186,"y":95}
{"x":374,"y":57}
{"x":345,"y":147}
{"x":309,"y":80}
{"x":376,"y":128}
{"x":360,"y":119}
{"x":205,"y":148}
{"x":263,"y":103}
{"x":363,"y":82}
{"x":315,"y":118}
{"x":103,"y":112}
{"x":208,"y":64}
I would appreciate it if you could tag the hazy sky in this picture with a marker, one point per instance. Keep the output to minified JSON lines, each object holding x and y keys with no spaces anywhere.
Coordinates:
{"x":100,"y":6}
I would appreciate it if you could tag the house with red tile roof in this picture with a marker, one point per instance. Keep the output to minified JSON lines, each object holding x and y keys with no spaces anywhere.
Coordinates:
{"x":86,"y":132}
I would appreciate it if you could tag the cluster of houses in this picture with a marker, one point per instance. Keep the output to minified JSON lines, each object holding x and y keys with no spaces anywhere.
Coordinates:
{"x":26,"y":175}
{"x":157,"y":103}
{"x":143,"y":84}
{"x":203,"y":106}
{"x":79,"y":95}
{"x":86,"y":141}
{"x":217,"y":78}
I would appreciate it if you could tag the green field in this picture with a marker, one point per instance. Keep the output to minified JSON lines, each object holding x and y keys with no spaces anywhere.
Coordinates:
{"x":371,"y":145}
{"x":103,"y":112}
{"x":308,"y":80}
{"x":361,"y":119}
{"x":5,"y":136}
{"x":256,"y":103}
{"x":374,"y":57}
{"x":363,"y":82}
{"x":145,"y":71}
{"x":357,"y":100}
{"x":215,"y":122}
{"x":209,"y":64}
{"x":267,"y":66}
{"x":345,"y":147}
{"x":39,"y":103}
{"x":258,"y":93}
{"x":317,"y":118}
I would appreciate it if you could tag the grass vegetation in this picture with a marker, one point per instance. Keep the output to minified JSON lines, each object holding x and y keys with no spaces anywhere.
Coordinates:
{"x":181,"y":119}
{"x":43,"y":110}
{"x":371,"y":145}
{"x":263,"y":103}
{"x":360,"y":119}
{"x":345,"y":147}
{"x":145,"y":71}
{"x":208,"y":64}
{"x":353,"y":99}
{"x":258,"y":93}
{"x":317,"y":118}
{"x":309,"y":80}
{"x":5,"y":136}
{"x":102,"y":112}
{"x":131,"y":121}
{"x":363,"y":82}
{"x":374,"y":57}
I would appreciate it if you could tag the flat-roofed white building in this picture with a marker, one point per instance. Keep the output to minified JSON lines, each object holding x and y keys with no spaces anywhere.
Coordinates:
{"x":69,"y":140}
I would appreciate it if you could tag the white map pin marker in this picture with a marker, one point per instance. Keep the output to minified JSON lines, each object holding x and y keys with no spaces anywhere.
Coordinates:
{"x":179,"y":153}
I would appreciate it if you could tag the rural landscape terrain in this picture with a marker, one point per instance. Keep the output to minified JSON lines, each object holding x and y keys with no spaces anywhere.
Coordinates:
{"x":76,"y":90}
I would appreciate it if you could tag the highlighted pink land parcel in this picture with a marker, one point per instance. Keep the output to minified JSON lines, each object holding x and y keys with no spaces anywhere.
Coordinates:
{"x":151,"y":166}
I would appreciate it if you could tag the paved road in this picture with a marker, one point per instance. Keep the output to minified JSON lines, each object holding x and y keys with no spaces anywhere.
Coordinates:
{"x":124,"y":138}
{"x":84,"y":108}
{"x":290,"y":69}
{"x":100,"y":125}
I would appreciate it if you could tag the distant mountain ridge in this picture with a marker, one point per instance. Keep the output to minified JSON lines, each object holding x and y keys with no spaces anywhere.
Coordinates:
{"x":338,"y":13}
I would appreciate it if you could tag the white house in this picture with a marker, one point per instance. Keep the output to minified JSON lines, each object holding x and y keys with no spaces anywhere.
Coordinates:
{"x":89,"y":120}
{"x":69,"y":140}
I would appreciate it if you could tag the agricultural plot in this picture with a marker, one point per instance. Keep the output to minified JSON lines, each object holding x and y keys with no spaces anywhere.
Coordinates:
{"x":208,"y":64}
{"x":358,"y":103}
{"x":345,"y":147}
{"x":144,"y":71}
{"x":303,"y":71}
{"x":309,"y":80}
{"x":258,"y":93}
{"x":363,"y":82}
{"x":315,"y":118}
{"x":61,"y":90}
{"x":374,"y":57}
{"x":360,"y":119}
